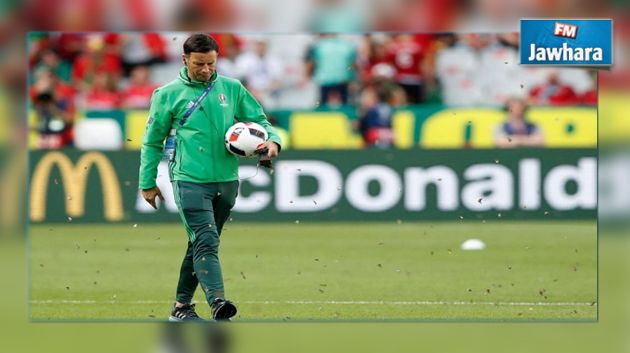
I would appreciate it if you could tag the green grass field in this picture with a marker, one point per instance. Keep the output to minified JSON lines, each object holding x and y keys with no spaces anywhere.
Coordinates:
{"x":324,"y":271}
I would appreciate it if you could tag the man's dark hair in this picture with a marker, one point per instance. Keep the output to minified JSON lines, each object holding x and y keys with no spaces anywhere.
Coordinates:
{"x":200,"y":43}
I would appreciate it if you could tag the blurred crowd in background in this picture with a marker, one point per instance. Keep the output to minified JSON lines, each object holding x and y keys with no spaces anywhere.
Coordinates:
{"x":298,"y":87}
{"x":372,"y":73}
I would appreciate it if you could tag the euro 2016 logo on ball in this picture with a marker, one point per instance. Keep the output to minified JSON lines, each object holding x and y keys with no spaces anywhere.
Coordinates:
{"x":566,"y":42}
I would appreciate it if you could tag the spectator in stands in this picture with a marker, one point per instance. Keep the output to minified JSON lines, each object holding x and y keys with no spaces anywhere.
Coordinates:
{"x":230,"y":45}
{"x":103,"y":93}
{"x":48,"y":58}
{"x":98,"y":57}
{"x":479,"y":69}
{"x":553,"y":92}
{"x":398,"y":96}
{"x":501,"y":76}
{"x":375,"y":123}
{"x":407,"y":54}
{"x":375,"y":62}
{"x":517,"y":131}
{"x":53,"y":105}
{"x":458,"y":69}
{"x":260,"y":72}
{"x":70,"y":45}
{"x":331,"y":61}
{"x":136,"y":49}
{"x":138,"y":93}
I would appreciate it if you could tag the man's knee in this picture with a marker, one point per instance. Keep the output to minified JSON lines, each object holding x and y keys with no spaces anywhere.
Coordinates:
{"x":206,"y":243}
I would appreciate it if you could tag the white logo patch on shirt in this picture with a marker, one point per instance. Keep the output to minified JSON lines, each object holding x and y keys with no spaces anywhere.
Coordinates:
{"x":223,"y":100}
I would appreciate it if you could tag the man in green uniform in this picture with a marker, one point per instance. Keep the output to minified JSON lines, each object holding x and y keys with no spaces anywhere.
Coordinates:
{"x":196,"y":109}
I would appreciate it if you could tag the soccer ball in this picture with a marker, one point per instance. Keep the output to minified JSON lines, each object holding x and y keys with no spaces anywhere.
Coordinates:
{"x":243,"y":139}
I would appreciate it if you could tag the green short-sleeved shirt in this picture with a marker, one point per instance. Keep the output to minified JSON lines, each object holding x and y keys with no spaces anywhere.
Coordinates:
{"x":334,"y":61}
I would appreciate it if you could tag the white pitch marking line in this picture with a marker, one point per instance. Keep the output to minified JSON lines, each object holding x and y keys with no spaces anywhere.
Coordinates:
{"x":328,"y":302}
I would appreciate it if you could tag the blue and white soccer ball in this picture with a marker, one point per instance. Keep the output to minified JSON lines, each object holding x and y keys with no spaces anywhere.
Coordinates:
{"x":243,"y":139}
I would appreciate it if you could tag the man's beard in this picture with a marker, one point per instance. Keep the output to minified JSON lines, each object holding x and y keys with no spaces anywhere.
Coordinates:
{"x":200,"y":77}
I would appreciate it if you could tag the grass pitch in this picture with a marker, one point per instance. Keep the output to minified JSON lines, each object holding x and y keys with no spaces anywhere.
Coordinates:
{"x":323,"y":271}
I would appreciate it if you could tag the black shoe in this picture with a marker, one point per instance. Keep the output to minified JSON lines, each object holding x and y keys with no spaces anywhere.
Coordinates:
{"x":222,"y":310}
{"x":184,"y":313}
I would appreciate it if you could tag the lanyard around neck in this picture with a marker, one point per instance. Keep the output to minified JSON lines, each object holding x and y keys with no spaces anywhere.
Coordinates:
{"x":196,"y":104}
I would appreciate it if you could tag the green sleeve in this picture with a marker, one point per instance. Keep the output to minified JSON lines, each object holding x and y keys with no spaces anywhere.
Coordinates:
{"x":249,"y":110}
{"x":158,"y":127}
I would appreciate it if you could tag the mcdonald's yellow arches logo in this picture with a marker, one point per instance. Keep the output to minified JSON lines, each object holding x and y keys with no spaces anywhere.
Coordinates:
{"x":74,"y":179}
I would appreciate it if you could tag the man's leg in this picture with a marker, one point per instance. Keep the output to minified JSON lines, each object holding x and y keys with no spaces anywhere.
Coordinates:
{"x":196,"y":207}
{"x":197,"y":213}
{"x":184,"y":310}
{"x":187,"y":279}
{"x":222,"y":205}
